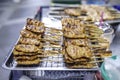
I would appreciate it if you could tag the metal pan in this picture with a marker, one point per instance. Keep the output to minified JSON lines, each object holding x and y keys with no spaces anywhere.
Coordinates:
{"x":11,"y":64}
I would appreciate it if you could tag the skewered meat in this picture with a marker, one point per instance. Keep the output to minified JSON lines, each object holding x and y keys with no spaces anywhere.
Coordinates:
{"x":26,"y":48}
{"x":76,"y":52}
{"x":105,"y":45}
{"x":28,"y":62}
{"x":78,"y":42}
{"x":28,"y":34}
{"x":70,"y":23}
{"x":36,"y":29}
{"x":82,"y":60}
{"x":26,"y":57}
{"x":52,"y":37}
{"x":104,"y":54}
{"x":74,"y":34}
{"x":68,"y":59}
{"x":85,"y":18}
{"x":92,"y":13}
{"x":34,"y":22}
{"x":17,"y":53}
{"x":73,"y":28}
{"x":73,"y":12}
{"x":31,"y":41}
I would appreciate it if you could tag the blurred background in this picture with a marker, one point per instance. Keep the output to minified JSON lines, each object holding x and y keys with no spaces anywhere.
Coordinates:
{"x":13,"y":14}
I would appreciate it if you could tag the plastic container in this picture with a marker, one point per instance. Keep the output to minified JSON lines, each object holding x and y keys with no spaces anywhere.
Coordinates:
{"x":108,"y":31}
{"x":110,"y":68}
{"x":109,"y":34}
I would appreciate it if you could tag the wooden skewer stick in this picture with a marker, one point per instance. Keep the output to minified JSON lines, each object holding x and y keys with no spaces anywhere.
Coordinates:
{"x":52,"y":60}
{"x":97,"y":61}
{"x":82,"y":66}
{"x":53,"y":28}
{"x":101,"y":56}
{"x":43,"y":39}
{"x":40,"y":56}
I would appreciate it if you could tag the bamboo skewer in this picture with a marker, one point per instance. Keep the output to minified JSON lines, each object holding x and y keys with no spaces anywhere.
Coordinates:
{"x":53,"y":28}
{"x":52,"y":60}
{"x":97,"y":61}
{"x":64,"y":61}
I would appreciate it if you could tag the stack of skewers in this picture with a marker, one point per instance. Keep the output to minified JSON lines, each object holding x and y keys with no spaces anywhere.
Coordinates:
{"x":34,"y":40}
{"x":82,"y":42}
{"x":89,"y":13}
{"x":28,"y":48}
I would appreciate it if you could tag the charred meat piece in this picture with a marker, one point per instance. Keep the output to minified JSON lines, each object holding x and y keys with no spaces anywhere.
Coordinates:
{"x":26,"y":57}
{"x":36,"y":29}
{"x":74,"y":34}
{"x":31,"y":41}
{"x":100,"y":45}
{"x":70,"y":23}
{"x":72,"y":28}
{"x":20,"y":53}
{"x":81,"y":60}
{"x":85,"y":18}
{"x":29,"y":34}
{"x":26,"y":48}
{"x":28,"y":62}
{"x":104,"y":54}
{"x":77,"y":42}
{"x":68,"y":59}
{"x":34,"y":22}
{"x":52,"y":38}
{"x":76,"y":52}
{"x":73,"y":12}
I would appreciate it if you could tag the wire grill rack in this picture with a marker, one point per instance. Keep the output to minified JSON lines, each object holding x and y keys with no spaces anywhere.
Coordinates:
{"x":51,"y":62}
{"x":55,"y":62}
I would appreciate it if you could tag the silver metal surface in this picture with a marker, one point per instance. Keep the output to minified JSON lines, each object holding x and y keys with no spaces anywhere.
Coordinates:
{"x":57,"y":12}
{"x":51,"y":63}
{"x":60,"y":75}
{"x":55,"y":62}
{"x":113,"y":21}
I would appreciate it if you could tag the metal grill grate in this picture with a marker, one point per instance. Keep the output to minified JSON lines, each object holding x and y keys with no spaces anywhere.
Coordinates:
{"x":53,"y":61}
{"x":57,"y":61}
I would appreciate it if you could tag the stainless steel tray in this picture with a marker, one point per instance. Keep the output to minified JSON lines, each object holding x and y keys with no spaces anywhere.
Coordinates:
{"x":54,"y":12}
{"x":11,"y":64}
{"x":52,"y":62}
{"x":59,"y":65}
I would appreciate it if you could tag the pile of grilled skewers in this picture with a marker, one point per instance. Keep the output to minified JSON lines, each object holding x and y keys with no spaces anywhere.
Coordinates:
{"x":30,"y":48}
{"x":83,"y":43}
{"x":90,"y":13}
